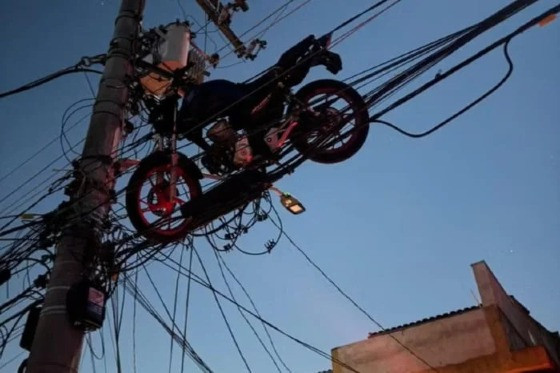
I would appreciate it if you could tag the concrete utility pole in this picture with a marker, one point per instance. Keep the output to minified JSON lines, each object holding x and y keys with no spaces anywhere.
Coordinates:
{"x":57,"y":344}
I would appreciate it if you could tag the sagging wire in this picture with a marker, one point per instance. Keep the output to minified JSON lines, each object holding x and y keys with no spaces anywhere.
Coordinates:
{"x":350,"y":299}
{"x":244,"y":290}
{"x":308,"y":346}
{"x":81,"y":66}
{"x":63,"y":131}
{"x":228,"y":326}
{"x":368,"y":20}
{"x":506,"y":49}
{"x":187,"y":306}
{"x":230,"y":291}
{"x":175,"y":298}
{"x":398,"y":81}
{"x":180,"y":339}
{"x":463,"y":110}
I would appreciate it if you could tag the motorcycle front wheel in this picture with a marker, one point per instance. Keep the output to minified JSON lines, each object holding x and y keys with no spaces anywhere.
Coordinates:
{"x":152,"y":202}
{"x":334,"y":124}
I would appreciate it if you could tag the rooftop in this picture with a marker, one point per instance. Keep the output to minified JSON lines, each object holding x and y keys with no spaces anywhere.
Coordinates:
{"x":423,"y":321}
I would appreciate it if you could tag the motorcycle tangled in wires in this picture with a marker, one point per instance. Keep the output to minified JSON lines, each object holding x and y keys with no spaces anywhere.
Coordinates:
{"x":274,"y":132}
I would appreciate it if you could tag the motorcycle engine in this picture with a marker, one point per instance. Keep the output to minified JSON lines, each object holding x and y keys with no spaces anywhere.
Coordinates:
{"x":219,"y":158}
{"x":222,"y":134}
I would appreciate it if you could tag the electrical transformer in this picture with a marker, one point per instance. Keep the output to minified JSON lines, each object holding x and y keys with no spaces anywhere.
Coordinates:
{"x":172,"y":50}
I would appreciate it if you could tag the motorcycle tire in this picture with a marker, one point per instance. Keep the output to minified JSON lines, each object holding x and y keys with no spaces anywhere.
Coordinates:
{"x":357,"y":134}
{"x":156,"y":203}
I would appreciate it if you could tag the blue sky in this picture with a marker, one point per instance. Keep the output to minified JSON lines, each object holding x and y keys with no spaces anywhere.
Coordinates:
{"x":397,"y":226}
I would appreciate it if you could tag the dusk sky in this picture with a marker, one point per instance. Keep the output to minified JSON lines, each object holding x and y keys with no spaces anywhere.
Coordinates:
{"x":397,"y":226}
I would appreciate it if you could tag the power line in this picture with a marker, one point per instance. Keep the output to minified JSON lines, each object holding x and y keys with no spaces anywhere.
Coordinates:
{"x":255,"y":309}
{"x":241,"y":312}
{"x":308,"y":346}
{"x":354,"y":303}
{"x":187,"y":300}
{"x":36,"y":83}
{"x":175,"y":310}
{"x":222,"y":311}
{"x":463,"y":110}
{"x":185,"y":345}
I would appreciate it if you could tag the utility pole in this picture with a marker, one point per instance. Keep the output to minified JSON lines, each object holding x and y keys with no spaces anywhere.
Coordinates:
{"x":57,"y":344}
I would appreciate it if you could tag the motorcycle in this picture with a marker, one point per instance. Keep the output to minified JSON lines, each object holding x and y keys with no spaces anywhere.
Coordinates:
{"x":325,"y":121}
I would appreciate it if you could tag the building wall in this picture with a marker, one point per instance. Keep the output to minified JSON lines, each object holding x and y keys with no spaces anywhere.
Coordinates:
{"x":443,"y":342}
{"x":522,"y":330}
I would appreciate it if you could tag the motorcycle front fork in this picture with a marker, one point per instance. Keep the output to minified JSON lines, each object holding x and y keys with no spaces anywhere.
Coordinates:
{"x":174,"y":159}
{"x":162,"y":144}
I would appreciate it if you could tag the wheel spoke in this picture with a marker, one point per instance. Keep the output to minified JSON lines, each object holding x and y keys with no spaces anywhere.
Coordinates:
{"x":340,"y":138}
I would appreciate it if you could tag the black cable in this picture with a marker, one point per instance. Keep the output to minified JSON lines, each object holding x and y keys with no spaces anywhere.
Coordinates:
{"x":118,"y":321}
{"x":91,"y":355}
{"x":352,"y":301}
{"x":187,"y":308}
{"x":498,"y":17}
{"x":353,"y":18}
{"x":46,"y":79}
{"x":470,"y":60}
{"x":183,"y":11}
{"x":222,"y":312}
{"x":90,"y":86}
{"x":65,"y":119}
{"x":277,"y":20}
{"x":398,"y":81}
{"x":135,"y":301}
{"x":230,"y":291}
{"x":463,"y":110}
{"x":9,"y":333}
{"x":175,"y":310}
{"x":308,"y":346}
{"x":12,"y":360}
{"x":280,"y":10}
{"x":185,"y":345}
{"x":255,"y":309}
{"x":18,"y":228}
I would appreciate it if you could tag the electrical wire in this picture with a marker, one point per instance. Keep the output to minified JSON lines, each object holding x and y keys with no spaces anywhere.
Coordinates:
{"x":181,"y":340}
{"x":277,"y":20}
{"x":352,"y":301}
{"x":463,"y":110}
{"x":255,"y":309}
{"x":187,"y":300}
{"x":308,"y":346}
{"x":175,"y":297}
{"x":228,"y":326}
{"x":46,"y":79}
{"x":505,"y":43}
{"x":230,"y":291}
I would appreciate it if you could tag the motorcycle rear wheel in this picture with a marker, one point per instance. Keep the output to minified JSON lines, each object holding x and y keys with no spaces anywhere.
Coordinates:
{"x":317,"y":139}
{"x":151,"y":209}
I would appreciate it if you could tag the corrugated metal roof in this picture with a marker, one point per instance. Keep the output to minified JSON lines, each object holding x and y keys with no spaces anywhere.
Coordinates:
{"x":423,"y":321}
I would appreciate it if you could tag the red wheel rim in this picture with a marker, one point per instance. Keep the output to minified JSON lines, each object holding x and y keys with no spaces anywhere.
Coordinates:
{"x":158,"y":211}
{"x":336,"y":114}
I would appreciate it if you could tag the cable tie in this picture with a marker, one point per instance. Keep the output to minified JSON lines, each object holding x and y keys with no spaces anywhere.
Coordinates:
{"x":85,"y":61}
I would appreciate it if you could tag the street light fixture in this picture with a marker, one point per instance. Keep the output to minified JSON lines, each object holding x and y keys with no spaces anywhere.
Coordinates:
{"x":291,"y":203}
